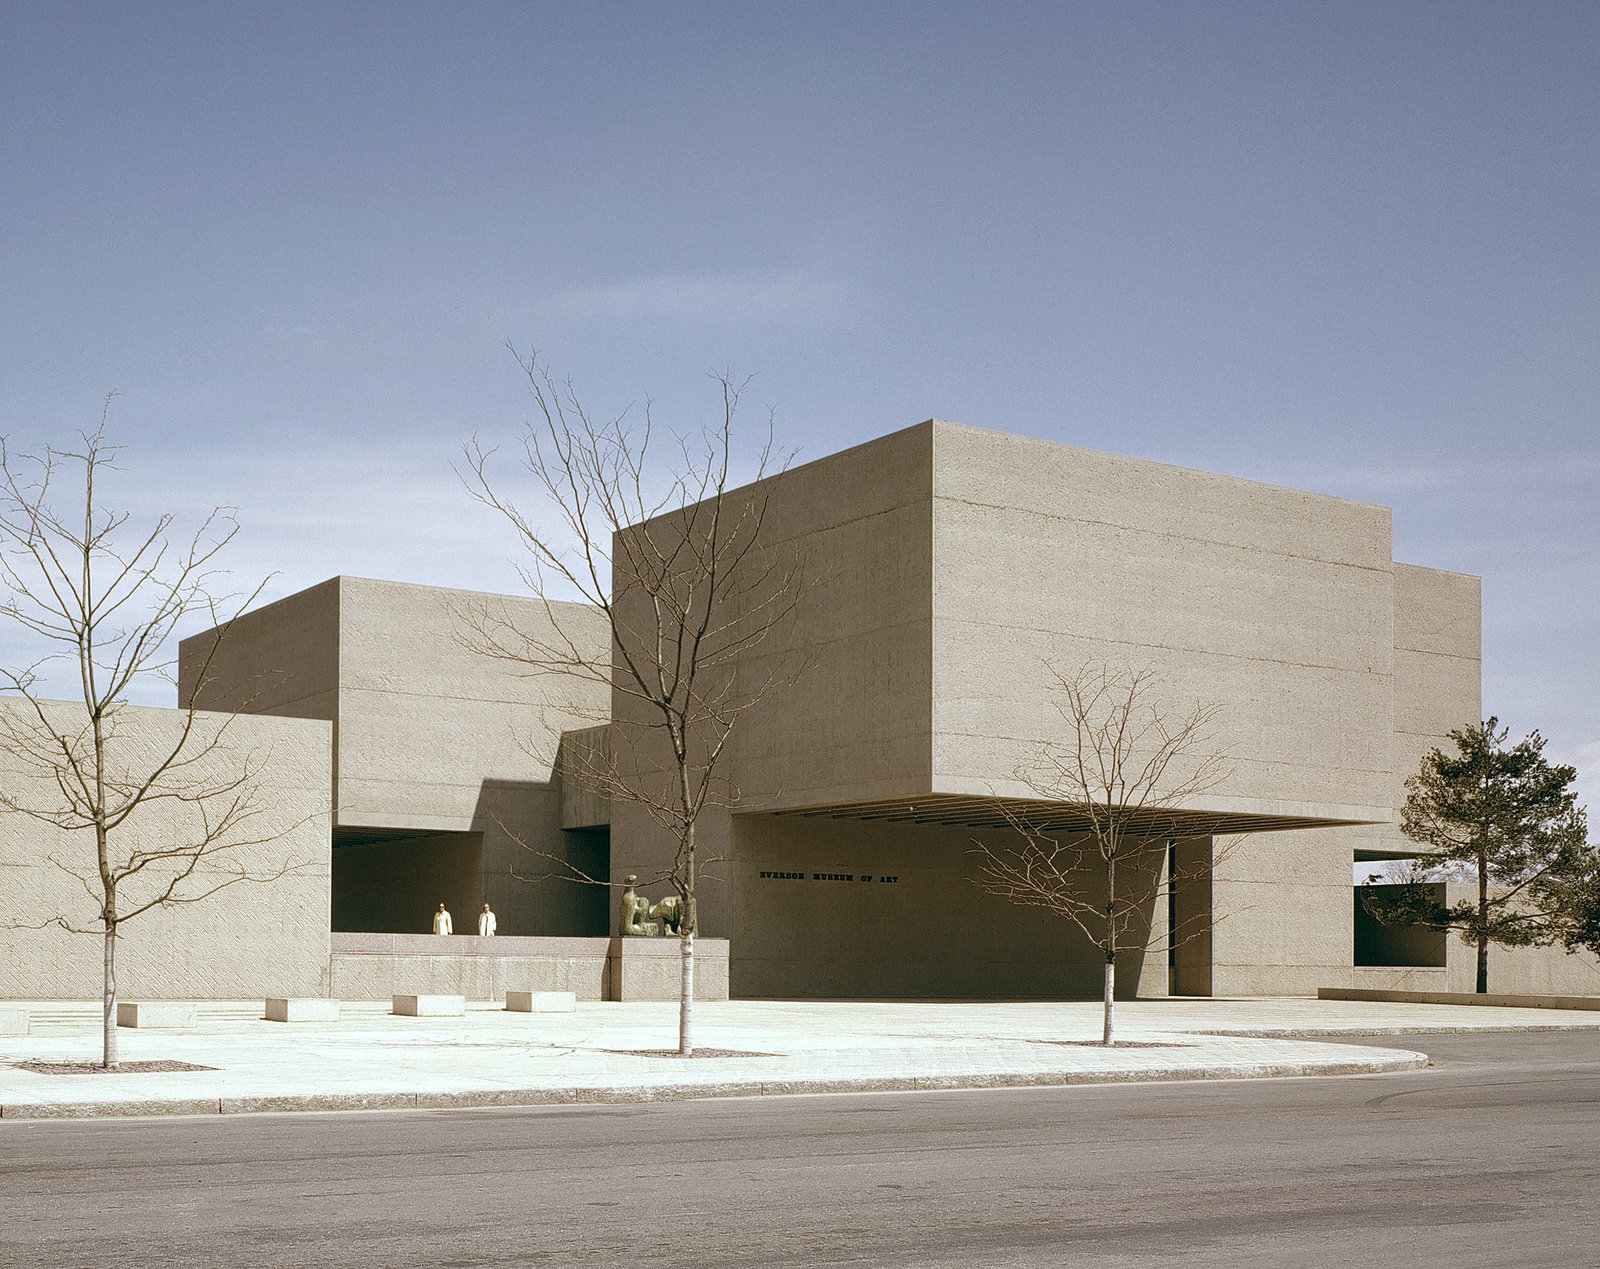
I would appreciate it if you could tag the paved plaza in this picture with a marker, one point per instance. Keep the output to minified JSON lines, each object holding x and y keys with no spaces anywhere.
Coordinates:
{"x":611,"y":1052}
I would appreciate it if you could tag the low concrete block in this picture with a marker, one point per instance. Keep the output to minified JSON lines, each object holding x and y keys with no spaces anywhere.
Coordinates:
{"x":541,"y":1001}
{"x":157,"y":1013}
{"x":1492,"y":999}
{"x":14,"y":1020}
{"x":430,"y":1006}
{"x":301,"y":1009}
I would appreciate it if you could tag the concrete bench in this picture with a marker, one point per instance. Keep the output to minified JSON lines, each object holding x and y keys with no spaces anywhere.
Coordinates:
{"x":13,"y":1020}
{"x":541,"y":1001}
{"x":430,"y":1006}
{"x":159,"y":1013}
{"x":301,"y":1009}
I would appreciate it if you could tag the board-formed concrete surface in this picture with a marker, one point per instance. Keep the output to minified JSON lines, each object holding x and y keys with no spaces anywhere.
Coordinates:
{"x":251,"y":939}
{"x":621,"y":1052}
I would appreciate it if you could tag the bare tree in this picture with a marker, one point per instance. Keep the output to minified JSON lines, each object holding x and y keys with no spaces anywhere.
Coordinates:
{"x":172,"y":812}
{"x":673,"y":556}
{"x":1108,"y":797}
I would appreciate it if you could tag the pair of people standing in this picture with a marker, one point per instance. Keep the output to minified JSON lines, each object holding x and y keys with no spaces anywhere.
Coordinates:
{"x":443,"y":925}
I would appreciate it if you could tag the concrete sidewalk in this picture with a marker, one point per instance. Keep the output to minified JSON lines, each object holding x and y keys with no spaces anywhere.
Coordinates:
{"x":609,"y":1052}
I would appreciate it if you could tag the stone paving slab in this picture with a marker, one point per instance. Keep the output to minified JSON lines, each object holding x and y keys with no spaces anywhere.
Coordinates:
{"x":611,"y":1052}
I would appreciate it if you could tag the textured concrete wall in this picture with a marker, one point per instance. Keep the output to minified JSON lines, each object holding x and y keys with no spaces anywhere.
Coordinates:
{"x":919,"y":928}
{"x":281,"y":658}
{"x":1285,"y":899}
{"x":947,"y":565}
{"x":1438,"y":653}
{"x":957,"y":562}
{"x":378,"y":966}
{"x":249,"y":939}
{"x":652,"y":969}
{"x":396,"y":886}
{"x":432,"y":737}
{"x":583,"y":764}
{"x":1546,"y":970}
{"x":1281,"y":903}
{"x":856,"y":722}
{"x":1275,"y":603}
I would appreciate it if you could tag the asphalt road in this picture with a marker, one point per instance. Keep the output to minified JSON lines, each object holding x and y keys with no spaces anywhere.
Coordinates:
{"x":1488,"y":1159}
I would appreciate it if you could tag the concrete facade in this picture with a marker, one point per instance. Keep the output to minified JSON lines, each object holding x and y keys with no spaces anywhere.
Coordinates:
{"x":955,"y":562}
{"x":443,"y":758}
{"x":947,"y":566}
{"x":246,"y":940}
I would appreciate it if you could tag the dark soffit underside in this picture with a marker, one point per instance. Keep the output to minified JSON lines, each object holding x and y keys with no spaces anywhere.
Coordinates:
{"x":962,"y":811}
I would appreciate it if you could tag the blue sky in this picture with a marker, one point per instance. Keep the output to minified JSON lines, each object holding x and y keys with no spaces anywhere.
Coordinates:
{"x":1347,"y":247}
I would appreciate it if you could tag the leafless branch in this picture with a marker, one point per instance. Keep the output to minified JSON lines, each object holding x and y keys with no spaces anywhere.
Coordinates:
{"x":650,"y":531}
{"x":105,"y":600}
{"x":1123,"y":768}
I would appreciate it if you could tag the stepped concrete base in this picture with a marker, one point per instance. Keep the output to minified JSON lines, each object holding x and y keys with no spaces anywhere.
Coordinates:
{"x":1459,"y":998}
{"x":156,"y":1013}
{"x":541,"y":1002}
{"x":378,"y":966}
{"x":14,"y":1020}
{"x":301,"y":1009}
{"x":430,"y":1006}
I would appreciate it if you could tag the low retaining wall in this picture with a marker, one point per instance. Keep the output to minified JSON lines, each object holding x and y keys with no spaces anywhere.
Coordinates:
{"x":381,"y":966}
{"x":1459,"y":998}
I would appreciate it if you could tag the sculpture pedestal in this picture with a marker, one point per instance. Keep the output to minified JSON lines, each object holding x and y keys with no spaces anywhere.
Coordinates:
{"x":650,"y":969}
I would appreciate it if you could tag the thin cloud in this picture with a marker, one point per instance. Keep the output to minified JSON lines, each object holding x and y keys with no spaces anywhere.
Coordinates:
{"x":758,"y":296}
{"x":1585,"y":756}
{"x":1398,"y":480}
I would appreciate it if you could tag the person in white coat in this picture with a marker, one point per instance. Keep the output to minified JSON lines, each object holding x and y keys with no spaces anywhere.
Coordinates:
{"x":441,"y":921}
{"x":486,"y":922}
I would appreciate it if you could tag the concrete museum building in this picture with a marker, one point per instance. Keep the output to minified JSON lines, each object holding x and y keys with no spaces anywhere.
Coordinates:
{"x":950,"y":565}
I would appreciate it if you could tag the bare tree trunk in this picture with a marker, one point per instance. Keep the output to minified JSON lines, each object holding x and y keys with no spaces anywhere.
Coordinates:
{"x":691,"y":915}
{"x":686,"y":998}
{"x":1111,"y":986}
{"x":1483,"y":920}
{"x":1106,"y":1037}
{"x":108,"y":1001}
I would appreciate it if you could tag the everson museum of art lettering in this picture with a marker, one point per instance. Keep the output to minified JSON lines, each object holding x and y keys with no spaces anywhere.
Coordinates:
{"x":395,"y":767}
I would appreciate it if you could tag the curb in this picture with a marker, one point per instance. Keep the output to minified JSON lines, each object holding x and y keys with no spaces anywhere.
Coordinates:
{"x":1356,"y":1033}
{"x":629,"y":1094}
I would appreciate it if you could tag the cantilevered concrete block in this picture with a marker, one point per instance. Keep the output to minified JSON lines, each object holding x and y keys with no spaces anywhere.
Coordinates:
{"x":430,"y":1006}
{"x":301,"y":1009}
{"x":541,"y":1001}
{"x":160,"y":1013}
{"x":14,"y":1020}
